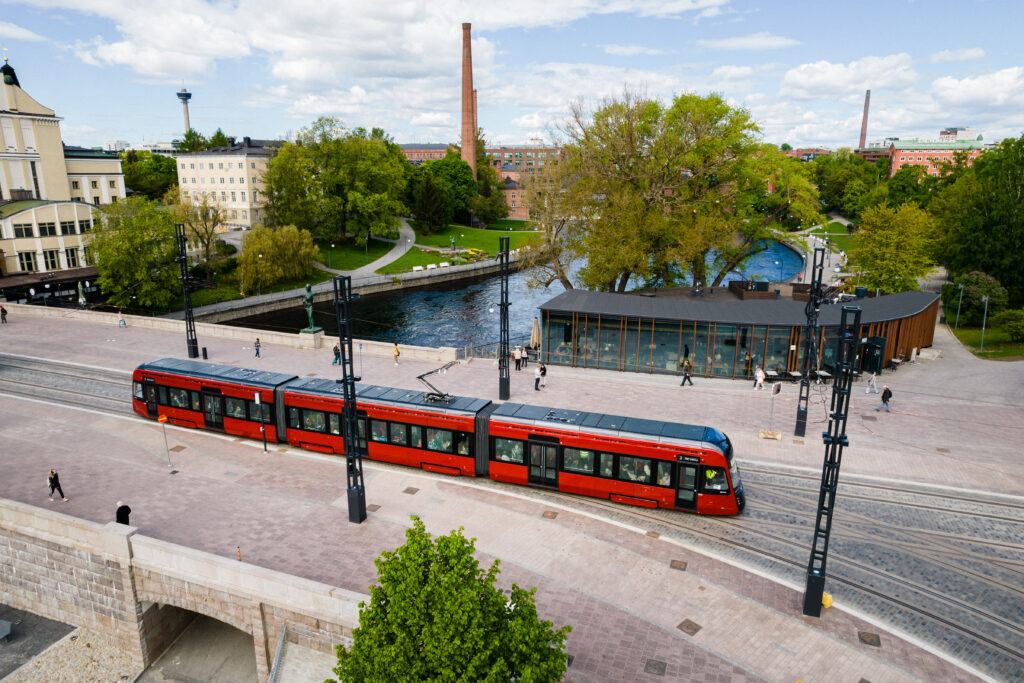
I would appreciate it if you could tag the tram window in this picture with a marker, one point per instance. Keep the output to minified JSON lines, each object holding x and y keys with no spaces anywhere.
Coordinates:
{"x":163,"y":395}
{"x":607,"y":465}
{"x":195,"y":400}
{"x":137,"y":390}
{"x":179,"y":398}
{"x":508,"y":450}
{"x":379,"y":431}
{"x":635,"y":469}
{"x":233,"y":407}
{"x":664,"y":474}
{"x":439,"y":440}
{"x":576,"y":460}
{"x":415,"y":436}
{"x":254,"y":413}
{"x":398,"y":433}
{"x":335,"y":421}
{"x":293,"y":418}
{"x":361,"y":422}
{"x":462,"y":443}
{"x":715,"y":480}
{"x":314,"y":420}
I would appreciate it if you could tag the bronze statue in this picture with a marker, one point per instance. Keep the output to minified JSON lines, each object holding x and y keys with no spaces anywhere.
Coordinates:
{"x":307,"y":301}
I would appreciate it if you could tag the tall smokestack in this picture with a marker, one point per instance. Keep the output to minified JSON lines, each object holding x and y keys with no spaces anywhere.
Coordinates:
{"x":185,"y":96}
{"x":864,"y":121}
{"x":468,"y":103}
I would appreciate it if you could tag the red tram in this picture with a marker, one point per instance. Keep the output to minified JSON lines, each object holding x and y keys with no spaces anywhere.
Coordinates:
{"x":635,"y":461}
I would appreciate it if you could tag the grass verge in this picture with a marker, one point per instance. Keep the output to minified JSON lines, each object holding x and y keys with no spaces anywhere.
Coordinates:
{"x":348,"y":256}
{"x":997,"y":342}
{"x":476,"y":238}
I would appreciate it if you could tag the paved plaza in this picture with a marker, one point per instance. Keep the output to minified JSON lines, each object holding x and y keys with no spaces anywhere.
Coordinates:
{"x":957,"y":421}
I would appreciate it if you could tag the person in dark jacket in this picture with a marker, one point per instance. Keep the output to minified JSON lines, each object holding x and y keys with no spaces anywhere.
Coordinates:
{"x":122,"y":512}
{"x":886,"y":397}
{"x":54,"y":482}
{"x":687,"y":373}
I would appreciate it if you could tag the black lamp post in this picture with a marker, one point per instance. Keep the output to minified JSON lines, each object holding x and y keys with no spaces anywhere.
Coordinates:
{"x":191,"y":341}
{"x":504,"y":380}
{"x":343,"y":299}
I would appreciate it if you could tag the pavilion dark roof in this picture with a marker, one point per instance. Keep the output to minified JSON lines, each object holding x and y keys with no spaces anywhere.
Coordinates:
{"x":726,"y":309}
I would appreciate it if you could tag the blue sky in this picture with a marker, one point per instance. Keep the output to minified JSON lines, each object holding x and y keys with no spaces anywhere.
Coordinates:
{"x":266,"y":68}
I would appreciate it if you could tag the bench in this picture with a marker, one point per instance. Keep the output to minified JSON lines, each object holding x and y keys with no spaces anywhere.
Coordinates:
{"x":431,"y":266}
{"x":443,"y":264}
{"x":417,"y":268}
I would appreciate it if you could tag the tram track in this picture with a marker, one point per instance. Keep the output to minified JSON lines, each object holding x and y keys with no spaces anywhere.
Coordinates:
{"x":775,"y":532}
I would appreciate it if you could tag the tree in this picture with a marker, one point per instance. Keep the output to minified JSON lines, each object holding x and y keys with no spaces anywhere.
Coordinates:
{"x":785,"y":147}
{"x":454,"y":179}
{"x":560,"y":224}
{"x":429,"y":208}
{"x":981,"y":218}
{"x":1011,"y":322}
{"x":134,"y":249}
{"x":893,"y":247}
{"x":147,"y":173}
{"x":201,"y":219}
{"x":271,"y":255}
{"x":290,"y":191}
{"x":436,"y":615}
{"x":489,"y":205}
{"x":972,"y":307}
{"x":192,"y":142}
{"x":218,"y":139}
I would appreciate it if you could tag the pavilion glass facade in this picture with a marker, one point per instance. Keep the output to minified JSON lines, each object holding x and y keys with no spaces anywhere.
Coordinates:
{"x":722,"y":350}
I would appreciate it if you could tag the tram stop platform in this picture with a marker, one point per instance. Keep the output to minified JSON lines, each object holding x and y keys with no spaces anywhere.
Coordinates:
{"x":644,"y":602}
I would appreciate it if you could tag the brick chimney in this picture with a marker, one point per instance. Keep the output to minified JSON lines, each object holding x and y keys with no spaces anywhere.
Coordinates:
{"x":864,"y":121}
{"x":468,"y":103}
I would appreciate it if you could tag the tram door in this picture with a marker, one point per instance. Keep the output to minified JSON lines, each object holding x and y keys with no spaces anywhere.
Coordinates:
{"x":686,"y":487}
{"x":149,"y":393}
{"x":543,"y":464}
{"x":213,"y":411}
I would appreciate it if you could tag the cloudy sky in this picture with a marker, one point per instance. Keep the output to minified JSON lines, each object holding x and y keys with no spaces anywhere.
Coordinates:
{"x":266,"y":68}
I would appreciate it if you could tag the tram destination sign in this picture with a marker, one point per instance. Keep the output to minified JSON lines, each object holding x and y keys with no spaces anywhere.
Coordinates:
{"x":692,"y":459}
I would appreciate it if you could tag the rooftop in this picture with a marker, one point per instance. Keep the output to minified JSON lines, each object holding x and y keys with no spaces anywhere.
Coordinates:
{"x":938,"y":144}
{"x":72,"y":152}
{"x":245,"y":146}
{"x":430,"y":146}
{"x":17,"y":207}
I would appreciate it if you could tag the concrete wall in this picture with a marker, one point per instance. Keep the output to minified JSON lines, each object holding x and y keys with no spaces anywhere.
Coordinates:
{"x":142,"y":591}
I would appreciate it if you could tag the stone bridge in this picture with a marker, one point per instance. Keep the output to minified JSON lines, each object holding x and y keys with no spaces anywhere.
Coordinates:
{"x":144,"y":592}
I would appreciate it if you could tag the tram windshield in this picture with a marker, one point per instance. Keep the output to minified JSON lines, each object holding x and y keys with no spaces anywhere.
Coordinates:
{"x":717,"y":438}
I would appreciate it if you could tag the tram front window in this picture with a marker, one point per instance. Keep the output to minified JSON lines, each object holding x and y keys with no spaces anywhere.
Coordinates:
{"x":715,"y":480}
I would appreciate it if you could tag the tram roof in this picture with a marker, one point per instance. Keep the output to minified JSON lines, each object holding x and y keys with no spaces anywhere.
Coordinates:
{"x":378,"y":394}
{"x":612,"y":423}
{"x":673,"y":306}
{"x":263,"y":379}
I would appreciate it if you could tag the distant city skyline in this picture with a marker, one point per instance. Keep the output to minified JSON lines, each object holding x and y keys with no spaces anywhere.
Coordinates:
{"x":111,"y":68}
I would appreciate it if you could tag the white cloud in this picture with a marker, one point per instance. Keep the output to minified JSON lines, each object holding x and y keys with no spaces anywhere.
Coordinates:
{"x":731,"y":73}
{"x":755,"y":41}
{"x":15,"y":32}
{"x":531,"y":121}
{"x":822,"y":79}
{"x":993,"y":89}
{"x":630,"y":50}
{"x":433,"y":119}
{"x":961,"y":55}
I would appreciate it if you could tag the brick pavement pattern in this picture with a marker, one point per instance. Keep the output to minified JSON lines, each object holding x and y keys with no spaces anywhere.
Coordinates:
{"x":287,"y":510}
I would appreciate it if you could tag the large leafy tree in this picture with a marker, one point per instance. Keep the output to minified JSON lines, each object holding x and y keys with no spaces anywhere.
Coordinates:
{"x":981,"y":218}
{"x":192,"y":141}
{"x":437,"y":616}
{"x":429,"y":208}
{"x":270,"y":255}
{"x":218,"y":139}
{"x":893,"y":247}
{"x":290,"y":190}
{"x":558,"y":215}
{"x":201,"y":218}
{"x":489,"y":205}
{"x":134,"y":249}
{"x":848,"y":183}
{"x":147,"y":173}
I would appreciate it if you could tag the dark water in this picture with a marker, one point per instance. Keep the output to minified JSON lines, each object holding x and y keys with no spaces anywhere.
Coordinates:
{"x":459,"y":314}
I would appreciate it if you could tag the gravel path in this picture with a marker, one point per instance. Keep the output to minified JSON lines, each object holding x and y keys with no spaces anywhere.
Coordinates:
{"x":82,"y":656}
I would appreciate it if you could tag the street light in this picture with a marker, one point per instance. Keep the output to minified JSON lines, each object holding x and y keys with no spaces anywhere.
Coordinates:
{"x":329,"y":257}
{"x":779,"y":264}
{"x":407,"y":247}
{"x":259,"y":276}
{"x":458,"y":254}
{"x":958,"y":307}
{"x":984,"y":319}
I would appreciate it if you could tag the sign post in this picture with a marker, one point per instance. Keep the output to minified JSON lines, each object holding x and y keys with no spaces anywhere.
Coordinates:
{"x":163,"y":424}
{"x":770,"y":433}
{"x":263,"y":421}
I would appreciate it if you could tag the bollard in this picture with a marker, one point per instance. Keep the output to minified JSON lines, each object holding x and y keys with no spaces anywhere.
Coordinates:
{"x":204,"y":353}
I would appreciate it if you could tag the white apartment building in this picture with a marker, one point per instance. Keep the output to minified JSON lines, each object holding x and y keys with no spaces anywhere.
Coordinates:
{"x":231,"y":176}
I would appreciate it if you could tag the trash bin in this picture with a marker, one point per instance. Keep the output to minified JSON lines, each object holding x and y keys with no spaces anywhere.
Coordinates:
{"x":204,"y":353}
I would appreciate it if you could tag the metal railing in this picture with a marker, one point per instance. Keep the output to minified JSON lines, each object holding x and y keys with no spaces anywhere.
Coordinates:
{"x":490,"y":349}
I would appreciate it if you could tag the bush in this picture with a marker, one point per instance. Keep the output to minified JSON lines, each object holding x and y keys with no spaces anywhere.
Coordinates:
{"x":226,"y":248}
{"x":1011,"y":322}
{"x":976,"y":285}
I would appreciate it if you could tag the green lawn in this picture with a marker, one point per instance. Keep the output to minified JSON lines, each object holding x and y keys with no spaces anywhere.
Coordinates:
{"x":418,"y":257}
{"x":465,"y":238}
{"x":510,"y":224}
{"x":840,"y":239}
{"x":228,"y":290}
{"x":347,"y":256}
{"x":997,"y":342}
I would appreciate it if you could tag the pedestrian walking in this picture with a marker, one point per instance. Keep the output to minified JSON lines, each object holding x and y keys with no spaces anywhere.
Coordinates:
{"x":120,"y":320}
{"x":758,"y":378}
{"x":396,"y":352}
{"x":337,"y":355}
{"x":886,"y":397}
{"x":53,"y":481}
{"x":526,"y":357}
{"x":256,"y":347}
{"x":687,"y":373}
{"x":122,"y":512}
{"x":3,"y":315}
{"x":543,"y":375}
{"x":517,"y":356}
{"x":536,"y":378}
{"x":872,"y":385}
